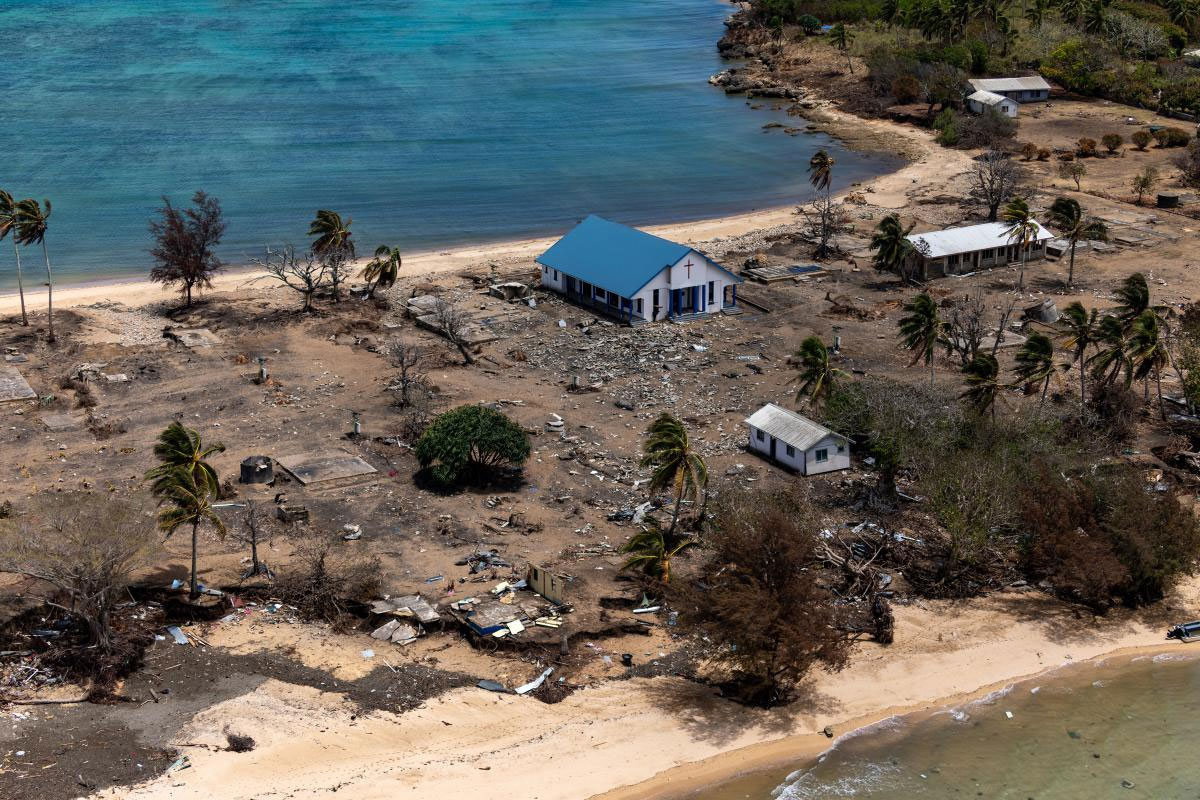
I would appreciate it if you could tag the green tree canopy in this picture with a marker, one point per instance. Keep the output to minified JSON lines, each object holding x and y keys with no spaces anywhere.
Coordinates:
{"x":471,"y":441}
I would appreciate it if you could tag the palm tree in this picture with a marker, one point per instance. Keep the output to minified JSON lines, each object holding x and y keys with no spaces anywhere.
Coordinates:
{"x":383,"y":269}
{"x":182,"y":448}
{"x":184,"y":501}
{"x":1147,"y":352}
{"x":841,"y":37}
{"x":815,"y":376}
{"x":1071,"y":10}
{"x":1082,"y":332}
{"x":983,"y":384}
{"x":1035,"y":363}
{"x":651,"y":550}
{"x":8,"y":224}
{"x":1133,"y":297}
{"x":1036,"y":13}
{"x":1022,"y":229}
{"x":1110,"y":358}
{"x":922,"y":329}
{"x":892,"y":246}
{"x":820,"y":171}
{"x":1067,"y":215}
{"x":31,"y":229}
{"x":676,"y":465}
{"x":333,"y":234}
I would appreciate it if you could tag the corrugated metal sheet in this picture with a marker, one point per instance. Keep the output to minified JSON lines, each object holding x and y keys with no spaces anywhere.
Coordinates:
{"x":987,"y":98}
{"x":612,"y":256}
{"x":788,"y":426}
{"x":1032,"y":83}
{"x":970,"y":238}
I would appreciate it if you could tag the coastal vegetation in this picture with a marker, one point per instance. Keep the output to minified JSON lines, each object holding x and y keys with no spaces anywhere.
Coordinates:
{"x":471,"y":443}
{"x":185,"y":242}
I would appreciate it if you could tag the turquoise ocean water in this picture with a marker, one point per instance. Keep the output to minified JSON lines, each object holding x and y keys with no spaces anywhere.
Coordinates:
{"x":428,"y":123}
{"x":1126,"y":730}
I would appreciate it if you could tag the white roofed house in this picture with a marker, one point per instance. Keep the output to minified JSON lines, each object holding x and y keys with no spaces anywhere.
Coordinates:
{"x":1023,"y":90}
{"x":980,"y":101}
{"x":956,"y":251}
{"x":795,"y":441}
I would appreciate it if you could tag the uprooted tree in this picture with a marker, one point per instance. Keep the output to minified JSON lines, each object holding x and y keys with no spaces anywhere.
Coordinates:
{"x":471,"y":443}
{"x":759,"y":605}
{"x":84,"y":545}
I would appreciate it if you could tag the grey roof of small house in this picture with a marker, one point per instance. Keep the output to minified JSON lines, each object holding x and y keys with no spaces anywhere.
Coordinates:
{"x":789,"y":427}
{"x":1032,"y":83}
{"x":988,"y":98}
{"x":970,"y":238}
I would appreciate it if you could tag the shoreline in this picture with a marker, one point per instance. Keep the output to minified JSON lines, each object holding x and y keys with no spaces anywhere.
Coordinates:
{"x":800,"y":751}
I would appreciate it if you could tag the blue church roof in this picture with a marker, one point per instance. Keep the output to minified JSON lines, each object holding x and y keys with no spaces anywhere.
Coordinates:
{"x":612,"y":256}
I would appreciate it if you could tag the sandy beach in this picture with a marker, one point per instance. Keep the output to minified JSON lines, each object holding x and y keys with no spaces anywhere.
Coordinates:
{"x":642,"y":739}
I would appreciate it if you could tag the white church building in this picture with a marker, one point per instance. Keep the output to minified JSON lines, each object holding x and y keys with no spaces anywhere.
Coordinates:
{"x":635,"y":276}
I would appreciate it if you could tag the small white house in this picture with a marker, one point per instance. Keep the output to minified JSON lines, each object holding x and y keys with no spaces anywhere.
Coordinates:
{"x":635,"y":276}
{"x":981,"y":101}
{"x":795,"y":441}
{"x":955,"y":251}
{"x":1023,"y":90}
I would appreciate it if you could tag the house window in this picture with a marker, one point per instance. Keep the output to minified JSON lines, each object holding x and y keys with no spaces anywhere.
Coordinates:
{"x":791,"y":451}
{"x":841,"y":448}
{"x":986,"y":253}
{"x":712,"y":291}
{"x":953,"y":260}
{"x":821,"y":455}
{"x":639,"y":306}
{"x":555,"y":274}
{"x":760,"y":435}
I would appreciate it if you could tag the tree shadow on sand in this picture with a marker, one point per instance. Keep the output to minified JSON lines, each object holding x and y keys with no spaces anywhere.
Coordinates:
{"x":1064,"y":623}
{"x":709,"y":717}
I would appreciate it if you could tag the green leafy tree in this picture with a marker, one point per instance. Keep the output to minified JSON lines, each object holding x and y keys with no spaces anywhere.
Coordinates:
{"x":1074,"y":225}
{"x":31,"y":222}
{"x":982,"y":375}
{"x":1141,"y":139}
{"x":185,"y":242}
{"x":8,"y":224}
{"x":674,"y":463}
{"x":893,"y":250}
{"x":921,"y":329}
{"x":651,"y":550}
{"x":1112,"y":142}
{"x":383,"y":269}
{"x":1022,"y":229}
{"x":815,"y":374}
{"x":809,"y":24}
{"x":1081,"y":331}
{"x":471,"y":442}
{"x":1144,"y":182}
{"x":1035,"y":363}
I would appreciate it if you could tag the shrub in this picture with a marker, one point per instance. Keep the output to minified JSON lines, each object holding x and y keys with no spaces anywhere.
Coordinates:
{"x":761,"y":610}
{"x":1141,"y":139}
{"x":1029,"y":151}
{"x":1189,"y":164}
{"x":906,"y":89}
{"x":320,"y":582}
{"x":1112,"y":142}
{"x":808,"y":23}
{"x":471,"y":443}
{"x":990,"y":129}
{"x":1172,"y":137}
{"x":1043,"y":154}
{"x":1085,"y":147}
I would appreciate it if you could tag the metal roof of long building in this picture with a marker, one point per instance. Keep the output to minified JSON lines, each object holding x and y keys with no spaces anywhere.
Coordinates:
{"x":612,"y":256}
{"x":1032,"y":83}
{"x":788,"y":426}
{"x":970,"y":238}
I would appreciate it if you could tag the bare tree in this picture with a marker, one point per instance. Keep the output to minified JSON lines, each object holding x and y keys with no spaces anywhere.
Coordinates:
{"x":825,"y":220}
{"x":407,"y":357}
{"x":305,"y":274}
{"x":255,"y":528}
{"x":339,"y":264}
{"x":1002,"y":323}
{"x":453,"y":322}
{"x":85,"y":545}
{"x":184,"y":243}
{"x":995,"y":179}
{"x":940,"y":83}
{"x":965,"y":327}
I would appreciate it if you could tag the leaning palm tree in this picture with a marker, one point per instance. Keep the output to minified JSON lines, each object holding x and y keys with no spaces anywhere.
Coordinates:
{"x":332,"y":232}
{"x":1073,"y":225}
{"x":820,"y":171}
{"x":1035,"y":363}
{"x":383,"y":269}
{"x":676,"y":465}
{"x":182,"y":448}
{"x":1110,"y":359}
{"x":1147,"y":352}
{"x":921,"y":330}
{"x":983,"y":383}
{"x":1133,"y":298}
{"x":31,"y":229}
{"x":184,"y":501}
{"x":8,"y":224}
{"x":1081,"y":331}
{"x":893,"y":250}
{"x":1022,"y":229}
{"x":652,"y":549}
{"x":815,"y":375}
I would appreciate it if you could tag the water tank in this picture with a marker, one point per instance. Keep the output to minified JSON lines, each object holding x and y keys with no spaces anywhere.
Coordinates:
{"x":257,"y":469}
{"x":1168,"y":201}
